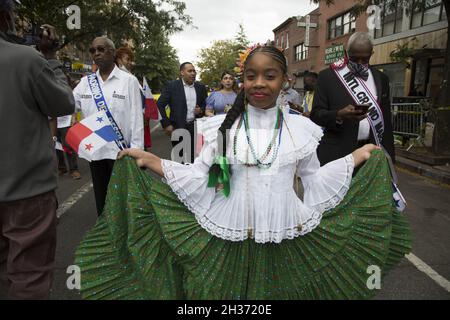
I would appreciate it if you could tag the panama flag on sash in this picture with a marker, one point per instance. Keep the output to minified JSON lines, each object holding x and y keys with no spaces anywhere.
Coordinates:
{"x":91,"y":134}
{"x":151,"y":109}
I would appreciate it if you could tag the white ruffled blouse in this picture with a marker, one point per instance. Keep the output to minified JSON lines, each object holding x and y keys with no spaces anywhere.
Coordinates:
{"x":262,"y":204}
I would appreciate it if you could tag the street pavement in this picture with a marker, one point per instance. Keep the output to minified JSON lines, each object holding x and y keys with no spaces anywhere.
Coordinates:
{"x":428,"y":212}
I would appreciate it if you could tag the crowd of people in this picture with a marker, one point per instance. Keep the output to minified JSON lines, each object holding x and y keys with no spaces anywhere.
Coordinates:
{"x":226,"y":224}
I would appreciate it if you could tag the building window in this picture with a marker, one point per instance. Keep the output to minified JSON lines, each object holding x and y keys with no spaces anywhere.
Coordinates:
{"x":282,"y":41}
{"x":301,"y":52}
{"x":287,"y":41}
{"x":341,"y":25}
{"x":421,"y":12}
{"x":426,"y":12}
{"x":390,"y":17}
{"x":432,"y":11}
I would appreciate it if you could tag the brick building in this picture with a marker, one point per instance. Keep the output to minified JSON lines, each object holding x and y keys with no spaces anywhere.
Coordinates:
{"x":421,"y":32}
{"x":291,"y":38}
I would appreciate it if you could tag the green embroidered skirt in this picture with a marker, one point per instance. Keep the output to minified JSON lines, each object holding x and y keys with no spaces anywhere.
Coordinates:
{"x":147,"y":245}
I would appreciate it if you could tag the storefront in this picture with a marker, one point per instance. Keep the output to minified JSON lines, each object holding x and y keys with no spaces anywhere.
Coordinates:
{"x":427,"y":72}
{"x":396,"y":73}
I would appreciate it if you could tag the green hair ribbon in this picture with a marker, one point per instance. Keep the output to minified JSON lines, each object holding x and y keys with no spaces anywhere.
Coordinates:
{"x":222,"y":177}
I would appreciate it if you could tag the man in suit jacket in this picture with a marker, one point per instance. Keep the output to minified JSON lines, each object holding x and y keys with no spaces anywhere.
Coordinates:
{"x":187,"y":101}
{"x":345,"y":127}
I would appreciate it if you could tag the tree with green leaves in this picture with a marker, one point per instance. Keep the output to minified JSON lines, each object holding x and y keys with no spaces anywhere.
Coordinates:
{"x":441,"y":104}
{"x":146,"y":24}
{"x":162,"y":58}
{"x":221,"y":56}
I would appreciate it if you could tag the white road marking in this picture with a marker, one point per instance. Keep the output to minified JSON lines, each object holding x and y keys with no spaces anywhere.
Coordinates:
{"x":156,"y":127}
{"x":66,"y":205}
{"x":422,"y":266}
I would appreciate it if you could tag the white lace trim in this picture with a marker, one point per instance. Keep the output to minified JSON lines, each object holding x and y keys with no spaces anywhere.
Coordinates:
{"x":183,"y":196}
{"x":334,"y":201}
{"x":260,"y":236}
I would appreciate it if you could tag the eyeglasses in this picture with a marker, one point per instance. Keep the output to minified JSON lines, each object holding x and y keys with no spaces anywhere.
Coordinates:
{"x":99,"y":49}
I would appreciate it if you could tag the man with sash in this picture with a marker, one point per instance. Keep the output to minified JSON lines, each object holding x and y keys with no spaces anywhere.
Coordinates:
{"x":117,"y":93}
{"x":347,"y":96}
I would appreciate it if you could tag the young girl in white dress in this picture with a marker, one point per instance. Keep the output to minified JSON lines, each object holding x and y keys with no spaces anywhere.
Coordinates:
{"x":230,"y":225}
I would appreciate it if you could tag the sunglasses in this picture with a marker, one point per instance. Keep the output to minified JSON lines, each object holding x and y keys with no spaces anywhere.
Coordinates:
{"x":99,"y":49}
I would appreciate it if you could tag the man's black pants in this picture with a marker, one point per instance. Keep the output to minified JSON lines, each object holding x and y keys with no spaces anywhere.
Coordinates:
{"x":101,"y":173}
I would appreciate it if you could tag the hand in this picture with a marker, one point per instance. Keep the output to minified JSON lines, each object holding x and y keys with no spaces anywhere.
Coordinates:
{"x":209,"y":113}
{"x":168,"y":130}
{"x":306,"y":114}
{"x":295,"y":106}
{"x":362,"y":154}
{"x":49,"y":44}
{"x":142,"y":158}
{"x":198,"y":110}
{"x":351,"y":113}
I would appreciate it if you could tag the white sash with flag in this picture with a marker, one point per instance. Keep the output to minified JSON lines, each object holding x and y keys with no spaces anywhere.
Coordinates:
{"x":360,"y":94}
{"x":91,"y":134}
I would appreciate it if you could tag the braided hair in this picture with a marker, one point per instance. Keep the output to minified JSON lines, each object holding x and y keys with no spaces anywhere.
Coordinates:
{"x":240,"y":102}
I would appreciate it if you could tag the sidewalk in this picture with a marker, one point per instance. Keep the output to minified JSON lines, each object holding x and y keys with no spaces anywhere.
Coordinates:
{"x":439,"y":173}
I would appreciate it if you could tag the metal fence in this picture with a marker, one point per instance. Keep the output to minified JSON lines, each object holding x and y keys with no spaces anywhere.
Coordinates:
{"x":409,"y":119}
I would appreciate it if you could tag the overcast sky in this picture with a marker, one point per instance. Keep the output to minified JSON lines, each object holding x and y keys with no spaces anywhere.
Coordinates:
{"x":219,"y":20}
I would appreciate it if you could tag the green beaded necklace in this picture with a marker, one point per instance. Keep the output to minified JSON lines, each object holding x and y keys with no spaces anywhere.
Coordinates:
{"x":259,"y":162}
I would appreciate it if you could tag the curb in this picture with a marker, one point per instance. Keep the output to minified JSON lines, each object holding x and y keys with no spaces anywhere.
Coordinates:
{"x":423,"y":170}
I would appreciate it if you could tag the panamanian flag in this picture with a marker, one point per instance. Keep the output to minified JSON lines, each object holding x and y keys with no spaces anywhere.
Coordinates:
{"x":91,"y":134}
{"x":151,"y":109}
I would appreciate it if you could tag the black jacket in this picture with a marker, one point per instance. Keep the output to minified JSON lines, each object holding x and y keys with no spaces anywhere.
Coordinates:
{"x":340,"y":140}
{"x":32,"y":89}
{"x":174,"y":96}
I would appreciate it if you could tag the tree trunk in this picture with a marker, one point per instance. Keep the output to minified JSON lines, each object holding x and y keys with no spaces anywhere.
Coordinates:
{"x":441,"y":105}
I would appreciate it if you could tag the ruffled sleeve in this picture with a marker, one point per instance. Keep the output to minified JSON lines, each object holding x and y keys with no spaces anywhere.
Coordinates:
{"x":325,"y":187}
{"x":190,"y":181}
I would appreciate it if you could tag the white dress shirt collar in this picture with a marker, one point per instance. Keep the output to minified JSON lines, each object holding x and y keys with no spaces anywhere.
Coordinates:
{"x":188,"y":85}
{"x":114,"y":73}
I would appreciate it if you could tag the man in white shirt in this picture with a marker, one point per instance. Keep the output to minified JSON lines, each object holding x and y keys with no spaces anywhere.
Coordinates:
{"x":187,"y":101}
{"x":346,"y":125}
{"x":123,"y":98}
{"x":289,"y":96}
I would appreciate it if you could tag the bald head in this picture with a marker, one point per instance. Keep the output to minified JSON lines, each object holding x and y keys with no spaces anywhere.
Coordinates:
{"x":360,"y":47}
{"x":107,"y":42}
{"x":359,"y":39}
